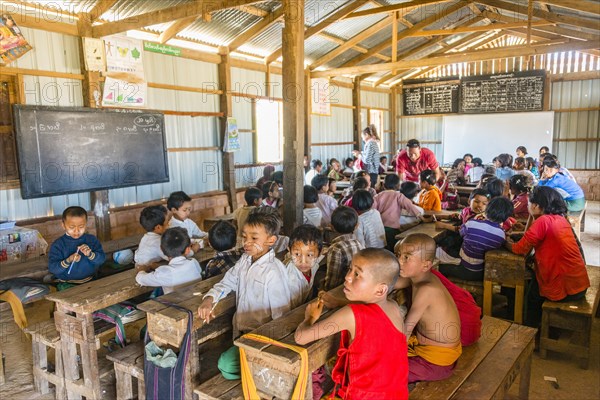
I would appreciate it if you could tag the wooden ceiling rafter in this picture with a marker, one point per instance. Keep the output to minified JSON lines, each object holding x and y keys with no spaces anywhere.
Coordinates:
{"x":197,"y":8}
{"x":395,"y":7}
{"x":256,"y":29}
{"x":480,"y":55}
{"x":356,"y":47}
{"x":483,"y":28}
{"x":576,"y":5}
{"x":176,"y":27}
{"x":406,"y":33}
{"x":313,"y":30}
{"x":100,"y":8}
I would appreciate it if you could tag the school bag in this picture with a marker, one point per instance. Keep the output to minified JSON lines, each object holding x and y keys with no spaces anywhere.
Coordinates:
{"x":19,"y":291}
{"x":164,"y":371}
{"x":468,"y":311}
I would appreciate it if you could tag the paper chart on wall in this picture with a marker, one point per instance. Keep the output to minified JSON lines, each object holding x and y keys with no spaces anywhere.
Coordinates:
{"x":124,"y":93}
{"x":124,"y":55}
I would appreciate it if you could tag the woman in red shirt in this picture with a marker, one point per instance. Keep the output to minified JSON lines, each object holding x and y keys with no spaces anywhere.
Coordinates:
{"x":560,"y":273}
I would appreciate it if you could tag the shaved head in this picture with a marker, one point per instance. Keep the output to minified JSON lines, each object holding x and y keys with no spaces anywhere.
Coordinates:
{"x":418,"y":242}
{"x":382,"y":265}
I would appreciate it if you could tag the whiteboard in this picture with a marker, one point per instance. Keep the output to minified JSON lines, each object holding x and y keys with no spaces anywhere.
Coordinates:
{"x":487,"y":135}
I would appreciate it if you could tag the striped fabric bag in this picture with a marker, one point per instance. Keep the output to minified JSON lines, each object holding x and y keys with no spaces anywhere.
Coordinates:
{"x":167,"y":383}
{"x":113,"y":314}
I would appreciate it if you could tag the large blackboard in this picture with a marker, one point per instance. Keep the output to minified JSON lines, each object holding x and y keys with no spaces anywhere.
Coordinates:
{"x":430,"y":96}
{"x":66,"y":150}
{"x":507,"y":92}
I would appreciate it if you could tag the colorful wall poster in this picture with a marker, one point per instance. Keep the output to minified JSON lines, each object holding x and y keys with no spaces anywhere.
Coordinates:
{"x":232,"y":142}
{"x":12,"y":43}
{"x":320,"y":99}
{"x":124,"y":93}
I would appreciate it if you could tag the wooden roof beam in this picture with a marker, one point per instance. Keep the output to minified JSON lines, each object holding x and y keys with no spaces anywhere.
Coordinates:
{"x":395,"y":7}
{"x":199,"y":7}
{"x":100,"y":8}
{"x":407,"y":33}
{"x":256,"y":29}
{"x":356,"y":47}
{"x":577,"y":5}
{"x":456,"y":58}
{"x":490,"y":27}
{"x":352,"y":41}
{"x":175,"y":28}
{"x":253,"y":10}
{"x":549,"y":16}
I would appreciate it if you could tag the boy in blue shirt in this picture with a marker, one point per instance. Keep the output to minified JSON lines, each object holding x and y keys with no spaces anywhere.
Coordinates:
{"x":76,"y":256}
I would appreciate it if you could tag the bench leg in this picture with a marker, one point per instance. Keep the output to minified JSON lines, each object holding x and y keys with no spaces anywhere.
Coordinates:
{"x":40,"y":362}
{"x":141,"y":389}
{"x":544,"y":334}
{"x":124,"y":384}
{"x":89,"y":357}
{"x":1,"y":367}
{"x":60,"y":390}
{"x":524,"y":378}
{"x":487,"y":297}
{"x":519,"y":294}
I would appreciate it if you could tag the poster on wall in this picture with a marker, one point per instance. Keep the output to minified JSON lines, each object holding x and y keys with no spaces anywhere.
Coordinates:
{"x":12,"y":43}
{"x":124,"y":93}
{"x":125,"y":84}
{"x":320,"y":96}
{"x":93,"y":50}
{"x":232,"y":142}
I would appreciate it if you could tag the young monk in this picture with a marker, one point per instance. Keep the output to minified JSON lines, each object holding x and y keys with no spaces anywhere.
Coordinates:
{"x":372,"y":354}
{"x":432,"y":323}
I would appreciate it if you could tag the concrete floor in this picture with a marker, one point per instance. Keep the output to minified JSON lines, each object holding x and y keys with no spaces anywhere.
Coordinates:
{"x":573,"y":383}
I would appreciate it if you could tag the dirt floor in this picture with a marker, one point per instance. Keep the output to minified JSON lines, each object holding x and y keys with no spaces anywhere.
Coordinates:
{"x":573,"y":383}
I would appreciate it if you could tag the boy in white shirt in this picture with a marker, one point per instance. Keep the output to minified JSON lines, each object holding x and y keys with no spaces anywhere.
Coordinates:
{"x":312,"y":214}
{"x":154,"y":220}
{"x":326,"y":203}
{"x":175,"y":244}
{"x":306,"y":243}
{"x":180,"y":205}
{"x":258,"y":279}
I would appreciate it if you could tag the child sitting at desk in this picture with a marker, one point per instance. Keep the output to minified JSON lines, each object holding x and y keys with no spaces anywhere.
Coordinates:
{"x":311,"y":213}
{"x":222,"y":238}
{"x":306,"y":243}
{"x":519,"y":190}
{"x":325,"y":203}
{"x":154,"y":220}
{"x":410,"y":190}
{"x":372,"y":355}
{"x":76,"y":256}
{"x":479,"y":236}
{"x":180,"y":205}
{"x":433,"y":322}
{"x":339,"y":256}
{"x":271,"y":195}
{"x":175,"y":244}
{"x":253,"y":197}
{"x":430,"y":198}
{"x":370,"y":231}
{"x":560,"y":273}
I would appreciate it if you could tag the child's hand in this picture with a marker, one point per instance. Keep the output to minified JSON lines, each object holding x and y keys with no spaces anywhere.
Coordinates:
{"x":204,"y":311}
{"x":74,"y":257}
{"x":329,"y":300}
{"x":195,"y":247}
{"x":85,"y":249}
{"x":313,"y":311}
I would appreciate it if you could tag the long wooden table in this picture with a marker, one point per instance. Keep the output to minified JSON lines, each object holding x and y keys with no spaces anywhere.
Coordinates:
{"x":167,"y":326}
{"x":428,"y":228}
{"x":74,"y":321}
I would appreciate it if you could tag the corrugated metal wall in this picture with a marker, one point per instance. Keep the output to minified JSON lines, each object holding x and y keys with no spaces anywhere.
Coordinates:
{"x":577,"y":132}
{"x":428,"y":130}
{"x":378,"y":100}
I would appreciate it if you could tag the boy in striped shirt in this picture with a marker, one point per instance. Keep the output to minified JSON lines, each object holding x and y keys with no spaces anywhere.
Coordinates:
{"x":479,"y":236}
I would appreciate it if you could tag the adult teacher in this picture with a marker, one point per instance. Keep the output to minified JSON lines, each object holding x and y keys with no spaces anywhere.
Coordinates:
{"x":370,"y":155}
{"x":414,"y":159}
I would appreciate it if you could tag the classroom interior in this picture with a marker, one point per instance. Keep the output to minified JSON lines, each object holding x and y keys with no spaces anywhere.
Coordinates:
{"x":298,"y":79}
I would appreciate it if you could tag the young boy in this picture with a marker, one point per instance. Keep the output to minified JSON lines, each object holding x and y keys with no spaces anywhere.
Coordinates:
{"x":76,"y":256}
{"x":344,"y":221}
{"x":175,"y":244}
{"x":258,"y":278}
{"x":373,"y":348}
{"x":222,"y":238}
{"x":325,"y":203}
{"x":154,"y":220}
{"x":479,"y":236}
{"x":253,"y":197}
{"x":180,"y":205}
{"x":312,"y":214}
{"x":435,"y":344}
{"x":306,"y":243}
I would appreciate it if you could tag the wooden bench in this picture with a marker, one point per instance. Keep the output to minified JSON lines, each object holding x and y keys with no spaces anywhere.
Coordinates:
{"x":129,"y":364}
{"x":219,"y":388}
{"x":167,"y":326}
{"x":44,"y":336}
{"x":577,"y":220}
{"x":573,"y":319}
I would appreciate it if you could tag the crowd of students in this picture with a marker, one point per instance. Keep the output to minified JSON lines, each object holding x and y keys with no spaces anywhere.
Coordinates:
{"x":383,"y":346}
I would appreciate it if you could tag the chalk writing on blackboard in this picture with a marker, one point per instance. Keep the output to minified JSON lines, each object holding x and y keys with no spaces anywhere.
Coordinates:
{"x":430,"y":96}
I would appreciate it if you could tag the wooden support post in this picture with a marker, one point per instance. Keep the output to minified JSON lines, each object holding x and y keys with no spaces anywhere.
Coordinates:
{"x":293,"y":113}
{"x":92,"y":92}
{"x":226,"y":109}
{"x":393,"y":123}
{"x":356,"y":112}
{"x":307,"y":113}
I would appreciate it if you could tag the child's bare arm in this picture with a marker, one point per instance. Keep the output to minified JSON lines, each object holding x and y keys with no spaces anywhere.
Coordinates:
{"x":421,"y":302}
{"x":402,"y":283}
{"x":309,"y":331}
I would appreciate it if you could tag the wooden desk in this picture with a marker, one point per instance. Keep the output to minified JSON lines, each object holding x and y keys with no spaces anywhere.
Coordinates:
{"x":167,"y":326}
{"x":78,"y":329}
{"x":465,"y":190}
{"x":488,"y":368}
{"x":210,"y":222}
{"x":427,"y":228}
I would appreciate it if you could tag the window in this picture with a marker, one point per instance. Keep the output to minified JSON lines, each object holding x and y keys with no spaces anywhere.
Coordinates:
{"x":9,"y":175}
{"x":376,"y":118}
{"x":269,"y":131}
